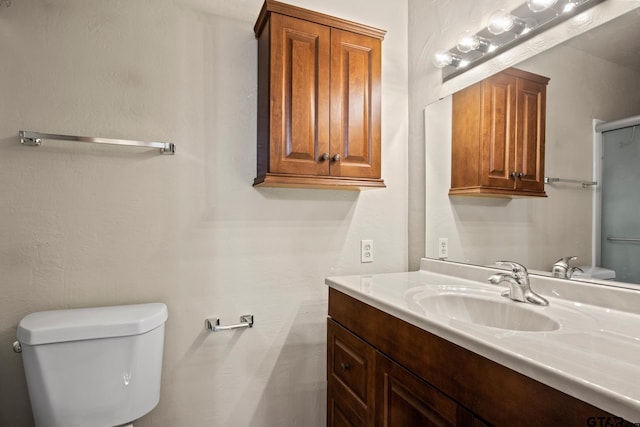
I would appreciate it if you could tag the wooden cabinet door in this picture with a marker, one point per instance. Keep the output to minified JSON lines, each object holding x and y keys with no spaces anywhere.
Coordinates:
{"x":530,"y":135}
{"x":299,"y":96}
{"x":498,"y":124}
{"x":355,"y":105}
{"x":402,"y":399}
{"x":350,"y":378}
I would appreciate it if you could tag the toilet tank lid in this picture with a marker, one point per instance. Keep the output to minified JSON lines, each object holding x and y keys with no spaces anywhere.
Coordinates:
{"x":53,"y":326}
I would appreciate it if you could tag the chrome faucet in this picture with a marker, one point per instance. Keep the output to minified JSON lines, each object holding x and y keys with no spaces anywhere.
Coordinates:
{"x":518,"y":281}
{"x":562,"y":269}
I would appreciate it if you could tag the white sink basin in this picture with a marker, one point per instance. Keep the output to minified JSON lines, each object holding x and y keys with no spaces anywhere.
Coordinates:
{"x":495,"y":313}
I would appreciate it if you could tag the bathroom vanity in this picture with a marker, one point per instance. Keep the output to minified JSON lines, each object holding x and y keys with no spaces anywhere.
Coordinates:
{"x":424,"y":348}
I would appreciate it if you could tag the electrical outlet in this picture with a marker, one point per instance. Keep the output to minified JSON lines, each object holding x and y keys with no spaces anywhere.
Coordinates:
{"x":443,"y":247}
{"x":366,"y":250}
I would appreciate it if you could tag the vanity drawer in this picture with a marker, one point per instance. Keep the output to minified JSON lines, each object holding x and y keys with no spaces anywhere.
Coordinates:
{"x":350,"y":373}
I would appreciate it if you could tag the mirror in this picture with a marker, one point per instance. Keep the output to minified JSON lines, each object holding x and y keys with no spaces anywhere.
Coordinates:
{"x":593,"y":76}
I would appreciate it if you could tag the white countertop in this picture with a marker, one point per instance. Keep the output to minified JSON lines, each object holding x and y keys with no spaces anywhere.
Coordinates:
{"x":594,"y":355}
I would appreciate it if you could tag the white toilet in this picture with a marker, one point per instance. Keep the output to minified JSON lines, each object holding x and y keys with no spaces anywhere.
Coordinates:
{"x":93,"y":367}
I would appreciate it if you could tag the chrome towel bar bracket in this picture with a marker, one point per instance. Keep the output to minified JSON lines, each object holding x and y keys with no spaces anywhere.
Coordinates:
{"x":213,"y":325}
{"x":584,"y":184}
{"x":34,"y":139}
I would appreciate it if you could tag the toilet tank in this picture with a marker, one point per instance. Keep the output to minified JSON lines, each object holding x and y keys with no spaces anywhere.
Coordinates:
{"x":93,"y":366}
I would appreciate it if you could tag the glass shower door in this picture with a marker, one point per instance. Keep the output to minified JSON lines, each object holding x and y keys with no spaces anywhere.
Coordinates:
{"x":620,"y":250}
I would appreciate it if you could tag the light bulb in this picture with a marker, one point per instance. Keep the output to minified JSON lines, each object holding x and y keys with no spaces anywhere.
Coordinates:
{"x":500,"y":21}
{"x":572,"y":5}
{"x":468,"y":42}
{"x":540,"y":5}
{"x":442,"y":58}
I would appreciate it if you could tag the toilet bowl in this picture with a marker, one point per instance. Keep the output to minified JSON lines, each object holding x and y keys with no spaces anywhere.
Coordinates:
{"x":98,"y":367}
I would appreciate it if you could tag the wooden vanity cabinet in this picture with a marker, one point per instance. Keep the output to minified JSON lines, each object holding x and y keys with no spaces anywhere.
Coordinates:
{"x":383,"y":372}
{"x":318,"y":100}
{"x":498,"y":136}
{"x":366,"y":388}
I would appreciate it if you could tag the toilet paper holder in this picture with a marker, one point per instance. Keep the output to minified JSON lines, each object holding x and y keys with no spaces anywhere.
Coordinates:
{"x":213,"y":324}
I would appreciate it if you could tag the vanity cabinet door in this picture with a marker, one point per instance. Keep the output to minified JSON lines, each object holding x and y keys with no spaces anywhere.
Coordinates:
{"x":350,"y":378}
{"x":498,"y":136}
{"x":402,"y":399}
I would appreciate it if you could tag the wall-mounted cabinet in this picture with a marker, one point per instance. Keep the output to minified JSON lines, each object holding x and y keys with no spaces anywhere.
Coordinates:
{"x":318,"y":100}
{"x":498,"y":136}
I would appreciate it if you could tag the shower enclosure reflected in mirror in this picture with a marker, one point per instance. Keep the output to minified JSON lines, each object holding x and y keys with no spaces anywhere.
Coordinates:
{"x":620,"y":224}
{"x":593,"y":76}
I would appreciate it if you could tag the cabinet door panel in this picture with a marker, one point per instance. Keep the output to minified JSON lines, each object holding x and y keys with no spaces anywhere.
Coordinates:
{"x":498,"y":130}
{"x":341,"y":416}
{"x":530,"y":135}
{"x":350,"y":371}
{"x":355,"y":104}
{"x":299,"y":96}
{"x":402,"y":399}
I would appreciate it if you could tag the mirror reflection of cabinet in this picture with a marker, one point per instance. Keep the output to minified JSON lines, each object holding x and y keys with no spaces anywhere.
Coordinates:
{"x":319,"y":100}
{"x":498,"y":136}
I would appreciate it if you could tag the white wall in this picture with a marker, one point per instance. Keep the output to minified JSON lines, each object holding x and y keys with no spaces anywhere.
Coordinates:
{"x":88,"y":226}
{"x":434,"y":25}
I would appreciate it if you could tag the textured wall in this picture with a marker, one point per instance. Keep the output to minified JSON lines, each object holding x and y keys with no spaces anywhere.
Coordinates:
{"x":86,"y":225}
{"x":434,"y":25}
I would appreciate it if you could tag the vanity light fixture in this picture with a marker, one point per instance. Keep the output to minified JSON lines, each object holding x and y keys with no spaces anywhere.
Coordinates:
{"x":506,"y":29}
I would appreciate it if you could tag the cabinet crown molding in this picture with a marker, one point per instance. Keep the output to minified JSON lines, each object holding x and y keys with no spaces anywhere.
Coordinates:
{"x":310,"y":15}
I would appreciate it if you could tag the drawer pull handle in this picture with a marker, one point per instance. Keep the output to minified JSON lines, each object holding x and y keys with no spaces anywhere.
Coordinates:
{"x":345,"y":366}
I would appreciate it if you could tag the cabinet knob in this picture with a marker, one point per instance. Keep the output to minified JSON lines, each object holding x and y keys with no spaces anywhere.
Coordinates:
{"x":513,"y":175}
{"x":520,"y":175}
{"x":325,"y":156}
{"x":345,"y":366}
{"x":337,"y":157}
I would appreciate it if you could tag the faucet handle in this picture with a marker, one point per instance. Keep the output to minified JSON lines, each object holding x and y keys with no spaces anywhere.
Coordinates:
{"x":515,"y":267}
{"x":573,"y":270}
{"x":565,"y":260}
